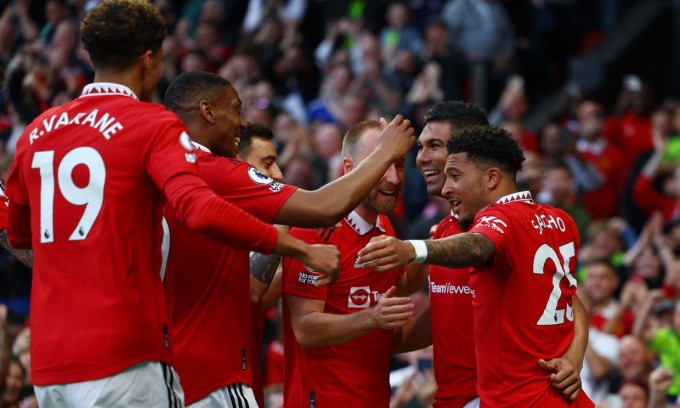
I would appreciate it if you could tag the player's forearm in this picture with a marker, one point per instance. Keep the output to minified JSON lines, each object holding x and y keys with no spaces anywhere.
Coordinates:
{"x":330,"y":203}
{"x":320,"y":329}
{"x":460,"y":251}
{"x":577,"y":348}
{"x":262,"y":270}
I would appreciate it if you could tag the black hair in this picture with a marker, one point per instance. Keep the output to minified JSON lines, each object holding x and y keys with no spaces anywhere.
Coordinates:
{"x":253,"y":130}
{"x":459,"y":114}
{"x":488,"y":146}
{"x":189,"y":88}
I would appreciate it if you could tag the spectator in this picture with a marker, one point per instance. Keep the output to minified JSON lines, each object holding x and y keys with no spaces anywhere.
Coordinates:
{"x":480,"y":29}
{"x":666,"y":342}
{"x":601,"y":203}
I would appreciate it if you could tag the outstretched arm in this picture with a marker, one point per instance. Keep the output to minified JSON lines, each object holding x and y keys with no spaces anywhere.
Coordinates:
{"x":328,"y":204}
{"x":458,"y":251}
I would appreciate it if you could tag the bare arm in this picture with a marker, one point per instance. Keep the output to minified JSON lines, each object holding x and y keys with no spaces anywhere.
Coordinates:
{"x":328,"y":204}
{"x":566,"y":370}
{"x":459,"y":251}
{"x":314,"y":328}
{"x":23,"y":255}
{"x":262,"y":271}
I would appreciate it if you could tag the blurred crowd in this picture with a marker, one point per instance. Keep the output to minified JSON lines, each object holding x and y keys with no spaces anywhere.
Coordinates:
{"x":309,"y":70}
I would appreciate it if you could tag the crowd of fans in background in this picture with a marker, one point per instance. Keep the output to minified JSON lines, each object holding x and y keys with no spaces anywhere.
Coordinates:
{"x":309,"y":70}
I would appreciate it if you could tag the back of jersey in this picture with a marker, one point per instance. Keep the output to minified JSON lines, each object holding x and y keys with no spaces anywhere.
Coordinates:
{"x":88,"y":172}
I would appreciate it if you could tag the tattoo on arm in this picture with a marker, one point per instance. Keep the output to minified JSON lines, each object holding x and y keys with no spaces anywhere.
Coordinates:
{"x":23,"y":255}
{"x":460,"y":251}
{"x":263,"y":267}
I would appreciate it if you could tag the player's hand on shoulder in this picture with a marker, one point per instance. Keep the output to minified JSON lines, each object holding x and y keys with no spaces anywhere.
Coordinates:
{"x":324,"y":259}
{"x":397,"y":137}
{"x":391,"y":312}
{"x":385,"y":253}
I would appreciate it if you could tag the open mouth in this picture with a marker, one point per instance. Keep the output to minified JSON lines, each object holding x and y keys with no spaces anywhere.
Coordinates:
{"x":455,"y":205}
{"x":237,"y":140}
{"x":391,"y":194}
{"x":431,"y":175}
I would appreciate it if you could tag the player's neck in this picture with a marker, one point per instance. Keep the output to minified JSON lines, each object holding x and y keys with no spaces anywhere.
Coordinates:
{"x":368,"y":215}
{"x":503,"y":190}
{"x":122,"y":78}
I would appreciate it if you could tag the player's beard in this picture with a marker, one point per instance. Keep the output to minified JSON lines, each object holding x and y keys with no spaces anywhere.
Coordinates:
{"x":381,"y":205}
{"x":465,"y":223}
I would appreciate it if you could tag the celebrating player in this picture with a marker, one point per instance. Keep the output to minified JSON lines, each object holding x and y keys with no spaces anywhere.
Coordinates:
{"x":208,"y":283}
{"x":522,"y":255}
{"x":86,"y":191}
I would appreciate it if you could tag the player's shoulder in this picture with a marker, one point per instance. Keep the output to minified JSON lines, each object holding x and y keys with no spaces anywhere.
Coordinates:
{"x":316,"y":235}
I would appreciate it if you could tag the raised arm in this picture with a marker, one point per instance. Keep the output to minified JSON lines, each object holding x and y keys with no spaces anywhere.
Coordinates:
{"x":328,"y":204}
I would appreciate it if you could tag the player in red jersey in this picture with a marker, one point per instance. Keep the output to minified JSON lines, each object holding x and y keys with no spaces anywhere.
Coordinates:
{"x":87,"y":188}
{"x":337,"y":351}
{"x":452,"y":334}
{"x":256,"y":147}
{"x":208,"y":283}
{"x":521,"y":255}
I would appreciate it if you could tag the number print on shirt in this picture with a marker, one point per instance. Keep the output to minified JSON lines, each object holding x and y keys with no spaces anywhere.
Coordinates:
{"x":551,"y":315}
{"x":91,"y":195}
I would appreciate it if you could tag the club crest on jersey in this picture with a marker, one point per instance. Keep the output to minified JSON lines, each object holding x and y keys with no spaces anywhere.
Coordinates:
{"x":493,"y":223}
{"x":185,"y":141}
{"x":360,"y":297}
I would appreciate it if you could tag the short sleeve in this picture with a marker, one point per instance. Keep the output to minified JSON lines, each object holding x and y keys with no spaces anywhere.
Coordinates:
{"x":298,"y":279}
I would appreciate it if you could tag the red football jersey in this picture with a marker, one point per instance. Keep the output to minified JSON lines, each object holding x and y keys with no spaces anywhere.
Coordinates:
{"x":452,"y":325}
{"x":523,"y":301}
{"x":85,"y":188}
{"x":354,"y":373}
{"x":208,"y":284}
{"x":4,"y":203}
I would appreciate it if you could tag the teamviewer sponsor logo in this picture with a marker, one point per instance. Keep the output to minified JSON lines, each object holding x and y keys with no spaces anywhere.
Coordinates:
{"x":359,"y":297}
{"x":449,"y":289}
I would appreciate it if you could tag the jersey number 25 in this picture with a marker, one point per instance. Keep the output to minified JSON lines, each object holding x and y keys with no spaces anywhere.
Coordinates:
{"x":551,"y":314}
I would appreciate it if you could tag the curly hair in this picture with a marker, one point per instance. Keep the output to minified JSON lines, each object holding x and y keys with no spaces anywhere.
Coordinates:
{"x":459,"y":114}
{"x":488,"y":146}
{"x":117,"y":32}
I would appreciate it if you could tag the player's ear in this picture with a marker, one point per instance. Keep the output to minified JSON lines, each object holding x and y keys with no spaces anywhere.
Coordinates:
{"x":347,"y":165}
{"x":207,"y":111}
{"x":493,"y":176}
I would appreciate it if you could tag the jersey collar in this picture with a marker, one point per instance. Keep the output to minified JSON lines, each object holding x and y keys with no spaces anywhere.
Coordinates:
{"x":524,"y":196}
{"x":360,"y":225}
{"x":108,"y":88}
